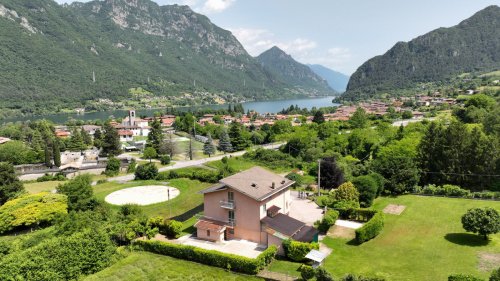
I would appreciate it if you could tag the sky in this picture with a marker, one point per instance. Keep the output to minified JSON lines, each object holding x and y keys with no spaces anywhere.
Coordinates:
{"x":339,"y":34}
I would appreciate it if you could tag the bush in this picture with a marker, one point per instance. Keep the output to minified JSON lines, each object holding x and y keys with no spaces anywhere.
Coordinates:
{"x":298,"y":179}
{"x":484,"y":221}
{"x":463,"y":277}
{"x":60,"y":258}
{"x":131,"y":166}
{"x":324,"y":201}
{"x":323,"y":275}
{"x":356,"y":214}
{"x":328,"y":220}
{"x":112,"y":167}
{"x":101,"y":181}
{"x":346,"y":192}
{"x":495,"y":275}
{"x":164,"y":159}
{"x":454,"y":190}
{"x":80,"y":193}
{"x":296,"y":250}
{"x":32,"y":210}
{"x":173,"y":229}
{"x":370,"y":229}
{"x":306,"y":272}
{"x":146,"y":172}
{"x":352,"y":277}
{"x":271,"y":158}
{"x":49,"y":177}
{"x":210,"y":257}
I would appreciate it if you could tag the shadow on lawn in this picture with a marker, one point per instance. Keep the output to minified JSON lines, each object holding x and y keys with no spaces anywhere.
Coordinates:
{"x":466,"y":239}
{"x":189,"y":214}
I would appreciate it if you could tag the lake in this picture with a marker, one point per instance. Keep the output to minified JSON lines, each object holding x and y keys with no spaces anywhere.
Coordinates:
{"x":272,"y":106}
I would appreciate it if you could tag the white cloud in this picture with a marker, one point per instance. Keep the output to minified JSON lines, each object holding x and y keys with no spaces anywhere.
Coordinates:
{"x":216,"y":6}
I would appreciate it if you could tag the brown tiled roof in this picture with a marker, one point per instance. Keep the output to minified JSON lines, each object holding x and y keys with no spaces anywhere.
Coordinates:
{"x":283,"y":224}
{"x":210,"y":225}
{"x":257,"y":183}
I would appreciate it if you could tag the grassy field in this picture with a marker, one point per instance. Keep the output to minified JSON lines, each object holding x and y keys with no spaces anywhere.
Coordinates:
{"x":188,"y":200}
{"x":138,"y":266}
{"x":37,"y":187}
{"x":425,"y":242}
{"x":239,"y":164}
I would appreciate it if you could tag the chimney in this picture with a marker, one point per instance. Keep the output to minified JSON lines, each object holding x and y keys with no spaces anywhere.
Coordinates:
{"x":273,"y":186}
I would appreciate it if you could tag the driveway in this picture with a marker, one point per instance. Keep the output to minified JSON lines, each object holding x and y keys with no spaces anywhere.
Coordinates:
{"x":304,"y":210}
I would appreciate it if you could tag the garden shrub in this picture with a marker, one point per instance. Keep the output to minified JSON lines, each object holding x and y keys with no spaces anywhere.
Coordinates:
{"x":370,"y":229}
{"x":352,"y":277}
{"x":454,"y":190}
{"x":495,"y":275}
{"x":323,"y":275}
{"x":147,"y":171}
{"x":32,"y":210}
{"x":463,"y":277}
{"x":173,"y":229}
{"x":271,"y":158}
{"x":131,"y":166}
{"x":356,"y":214}
{"x":457,"y":191}
{"x":298,"y":179}
{"x":324,"y":201}
{"x":80,"y":193}
{"x":368,"y":188}
{"x":210,"y":257}
{"x":49,"y":177}
{"x":306,"y":272}
{"x":112,"y":167}
{"x":328,"y":220}
{"x":296,"y":250}
{"x":164,"y":159}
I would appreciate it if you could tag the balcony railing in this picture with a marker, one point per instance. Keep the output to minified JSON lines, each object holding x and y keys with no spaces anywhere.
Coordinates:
{"x":227,"y":204}
{"x":231,"y":222}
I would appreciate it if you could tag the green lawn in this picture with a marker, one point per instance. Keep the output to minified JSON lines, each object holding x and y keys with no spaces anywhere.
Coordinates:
{"x":425,"y":242}
{"x":37,"y":187}
{"x":138,"y":266}
{"x":240,"y":163}
{"x":188,"y":200}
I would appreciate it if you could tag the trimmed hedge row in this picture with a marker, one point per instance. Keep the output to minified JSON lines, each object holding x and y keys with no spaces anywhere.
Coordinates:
{"x":356,"y":214}
{"x":463,"y":277}
{"x":296,"y":250}
{"x":456,"y":191}
{"x":370,"y":229}
{"x":210,"y":257}
{"x":200,"y":174}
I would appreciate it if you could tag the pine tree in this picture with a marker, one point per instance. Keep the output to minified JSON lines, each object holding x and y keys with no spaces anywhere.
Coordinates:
{"x":76,"y":141}
{"x":87,"y":139}
{"x":155,"y":136}
{"x":111,"y":142}
{"x":238,"y":141}
{"x":48,"y":155}
{"x":318,"y":117}
{"x":225,"y":142}
{"x":208,"y":147}
{"x":98,"y":138}
{"x":10,"y":186}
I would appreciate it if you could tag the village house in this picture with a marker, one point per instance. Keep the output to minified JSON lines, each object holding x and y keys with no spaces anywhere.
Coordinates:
{"x":91,"y":129}
{"x":252,"y":205}
{"x":126,"y":135}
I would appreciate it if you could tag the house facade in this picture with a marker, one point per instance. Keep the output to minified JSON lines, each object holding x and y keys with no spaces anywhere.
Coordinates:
{"x":252,"y":205}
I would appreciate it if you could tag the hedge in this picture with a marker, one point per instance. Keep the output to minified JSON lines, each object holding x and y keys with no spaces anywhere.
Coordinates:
{"x":327,"y":221}
{"x":296,"y":250}
{"x":463,"y":277}
{"x":370,"y":229}
{"x":356,"y":214}
{"x":200,"y":174}
{"x":456,"y":191}
{"x":210,"y":257}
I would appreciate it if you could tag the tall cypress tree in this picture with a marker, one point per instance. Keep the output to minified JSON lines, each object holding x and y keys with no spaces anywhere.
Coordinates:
{"x":56,"y":153}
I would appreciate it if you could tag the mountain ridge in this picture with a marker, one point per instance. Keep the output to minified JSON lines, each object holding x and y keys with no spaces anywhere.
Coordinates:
{"x":336,"y":80}
{"x":471,"y":45}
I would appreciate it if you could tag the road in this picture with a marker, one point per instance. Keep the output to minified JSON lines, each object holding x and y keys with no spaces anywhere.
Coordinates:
{"x":197,"y":162}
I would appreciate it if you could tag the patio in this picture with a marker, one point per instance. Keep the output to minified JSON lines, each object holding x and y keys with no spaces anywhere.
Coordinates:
{"x":237,"y":247}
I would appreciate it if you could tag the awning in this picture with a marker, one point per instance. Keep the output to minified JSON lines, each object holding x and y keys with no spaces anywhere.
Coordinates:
{"x":316,"y":256}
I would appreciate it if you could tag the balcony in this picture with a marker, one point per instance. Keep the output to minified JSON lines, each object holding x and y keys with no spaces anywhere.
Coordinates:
{"x":227,"y":205}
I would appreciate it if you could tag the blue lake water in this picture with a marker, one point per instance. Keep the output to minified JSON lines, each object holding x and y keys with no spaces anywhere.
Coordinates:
{"x":272,"y":106}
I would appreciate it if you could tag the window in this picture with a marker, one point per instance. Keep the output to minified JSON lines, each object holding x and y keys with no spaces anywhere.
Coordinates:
{"x":208,"y":233}
{"x":230,"y":196}
{"x":264,"y":209}
{"x":231,"y":231}
{"x":231,"y":216}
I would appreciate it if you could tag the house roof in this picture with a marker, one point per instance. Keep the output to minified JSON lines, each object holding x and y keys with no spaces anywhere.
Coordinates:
{"x":125,"y":133}
{"x":305,"y":234}
{"x":213,"y":188}
{"x":257,"y":183}
{"x":283,"y":224}
{"x":210,"y":225}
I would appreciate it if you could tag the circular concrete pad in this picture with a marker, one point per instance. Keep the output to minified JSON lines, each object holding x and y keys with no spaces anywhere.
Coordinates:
{"x":142,"y":195}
